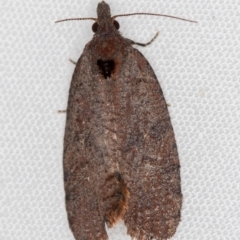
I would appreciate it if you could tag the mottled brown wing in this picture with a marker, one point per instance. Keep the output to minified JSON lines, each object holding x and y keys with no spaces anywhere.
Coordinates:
{"x":150,"y":165}
{"x":120,"y":155}
{"x":95,"y":191}
{"x":80,"y":169}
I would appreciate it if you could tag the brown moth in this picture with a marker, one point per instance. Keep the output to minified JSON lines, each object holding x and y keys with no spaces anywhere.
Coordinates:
{"x":120,"y":154}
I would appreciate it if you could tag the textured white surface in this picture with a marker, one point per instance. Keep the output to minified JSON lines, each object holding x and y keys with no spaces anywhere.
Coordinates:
{"x":198,"y":67}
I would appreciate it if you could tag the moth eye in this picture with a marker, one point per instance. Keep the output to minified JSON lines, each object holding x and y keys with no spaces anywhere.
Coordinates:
{"x":95,"y":27}
{"x":116,"y":24}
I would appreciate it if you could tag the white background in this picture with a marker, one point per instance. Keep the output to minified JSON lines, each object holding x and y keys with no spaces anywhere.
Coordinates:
{"x":198,"y":68}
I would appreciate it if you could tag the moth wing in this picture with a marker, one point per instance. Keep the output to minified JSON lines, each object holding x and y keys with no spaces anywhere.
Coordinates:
{"x":82,"y":201}
{"x":150,"y":164}
{"x":123,"y":123}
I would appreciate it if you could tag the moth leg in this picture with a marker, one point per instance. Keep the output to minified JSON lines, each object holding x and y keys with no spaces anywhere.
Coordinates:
{"x":70,"y":60}
{"x":145,"y":44}
{"x":62,"y":111}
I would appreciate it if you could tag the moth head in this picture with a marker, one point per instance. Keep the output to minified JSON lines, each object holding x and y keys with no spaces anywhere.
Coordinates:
{"x":103,"y":11}
{"x":96,"y":24}
{"x":104,"y":17}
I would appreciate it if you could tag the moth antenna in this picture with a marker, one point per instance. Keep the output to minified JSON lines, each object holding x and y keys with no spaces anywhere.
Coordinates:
{"x":154,"y":14}
{"x":76,"y":19}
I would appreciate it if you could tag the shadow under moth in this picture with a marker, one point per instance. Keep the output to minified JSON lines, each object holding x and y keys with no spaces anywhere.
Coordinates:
{"x":120,"y":155}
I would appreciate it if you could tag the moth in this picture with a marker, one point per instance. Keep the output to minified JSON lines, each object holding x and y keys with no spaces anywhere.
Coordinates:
{"x":120,"y":154}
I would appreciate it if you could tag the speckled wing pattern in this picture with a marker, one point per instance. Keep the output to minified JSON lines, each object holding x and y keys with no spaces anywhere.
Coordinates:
{"x":120,"y":155}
